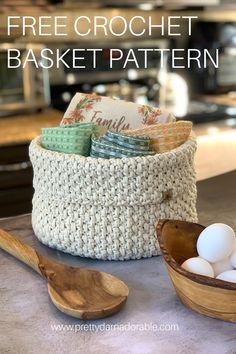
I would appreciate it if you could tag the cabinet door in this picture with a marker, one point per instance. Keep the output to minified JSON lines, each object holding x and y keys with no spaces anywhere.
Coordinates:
{"x":16,"y":176}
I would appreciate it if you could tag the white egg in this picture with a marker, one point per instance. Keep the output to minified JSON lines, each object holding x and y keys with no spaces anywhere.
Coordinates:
{"x":230,"y":276}
{"x":199,"y":266}
{"x":233,"y":259}
{"x":221,"y":266}
{"x":216,"y":242}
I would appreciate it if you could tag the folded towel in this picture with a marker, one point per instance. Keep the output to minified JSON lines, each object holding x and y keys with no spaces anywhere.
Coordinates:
{"x":112,"y":114}
{"x":166,"y":136}
{"x":115,"y":145}
{"x":74,"y":139}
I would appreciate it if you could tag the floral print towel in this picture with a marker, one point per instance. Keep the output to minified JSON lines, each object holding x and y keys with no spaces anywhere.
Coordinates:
{"x":112,"y":114}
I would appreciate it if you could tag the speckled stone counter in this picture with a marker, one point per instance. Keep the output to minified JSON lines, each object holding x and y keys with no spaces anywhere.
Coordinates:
{"x":153,"y":320}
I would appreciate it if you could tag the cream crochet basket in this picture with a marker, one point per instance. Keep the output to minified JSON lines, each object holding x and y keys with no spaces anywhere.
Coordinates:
{"x":108,"y":209}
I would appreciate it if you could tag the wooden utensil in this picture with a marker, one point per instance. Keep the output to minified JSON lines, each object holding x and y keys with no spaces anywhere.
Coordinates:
{"x":78,"y":292}
{"x":208,"y":296}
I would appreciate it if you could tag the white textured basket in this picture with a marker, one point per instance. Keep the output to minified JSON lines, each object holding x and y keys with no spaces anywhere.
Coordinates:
{"x":108,"y":209}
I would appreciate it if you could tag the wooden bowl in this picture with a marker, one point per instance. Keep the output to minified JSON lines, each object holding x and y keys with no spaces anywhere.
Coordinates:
{"x":208,"y":296}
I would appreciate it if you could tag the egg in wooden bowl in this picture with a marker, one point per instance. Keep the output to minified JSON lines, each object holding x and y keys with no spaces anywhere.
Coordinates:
{"x":206,"y":295}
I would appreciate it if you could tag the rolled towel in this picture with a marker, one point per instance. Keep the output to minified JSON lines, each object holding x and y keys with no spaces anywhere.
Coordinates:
{"x":72,"y":139}
{"x":115,"y":145}
{"x":166,"y":136}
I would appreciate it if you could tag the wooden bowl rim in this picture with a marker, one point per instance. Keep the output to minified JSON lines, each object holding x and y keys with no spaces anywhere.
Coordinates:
{"x":201,"y":279}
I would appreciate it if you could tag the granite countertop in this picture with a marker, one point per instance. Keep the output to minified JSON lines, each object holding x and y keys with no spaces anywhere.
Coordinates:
{"x":154,"y":318}
{"x":226,"y":99}
{"x":21,"y":129}
{"x":216,"y":142}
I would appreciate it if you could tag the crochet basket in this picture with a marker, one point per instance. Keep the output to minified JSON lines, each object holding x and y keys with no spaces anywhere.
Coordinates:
{"x":108,"y":209}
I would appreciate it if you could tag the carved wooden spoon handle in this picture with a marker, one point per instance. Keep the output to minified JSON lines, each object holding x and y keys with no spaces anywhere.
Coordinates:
{"x":19,"y":250}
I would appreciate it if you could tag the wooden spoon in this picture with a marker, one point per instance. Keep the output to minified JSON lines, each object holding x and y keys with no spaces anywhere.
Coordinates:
{"x":78,"y":292}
